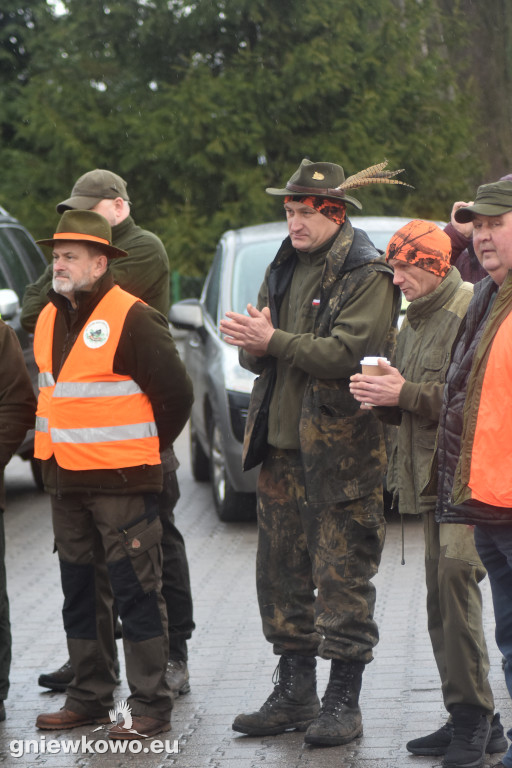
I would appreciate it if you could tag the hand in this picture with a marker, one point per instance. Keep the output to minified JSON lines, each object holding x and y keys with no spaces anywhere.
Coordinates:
{"x":464,"y":229}
{"x":251,"y":332}
{"x":381,"y":390}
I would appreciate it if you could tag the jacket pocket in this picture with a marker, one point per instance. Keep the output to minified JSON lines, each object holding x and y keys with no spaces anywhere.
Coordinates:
{"x":335,"y":403}
{"x":434,"y":359}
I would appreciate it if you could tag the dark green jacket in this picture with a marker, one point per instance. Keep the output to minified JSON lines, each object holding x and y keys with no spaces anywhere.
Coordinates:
{"x":17,"y":400}
{"x":144,"y":272}
{"x":341,"y":445}
{"x":422,"y":356}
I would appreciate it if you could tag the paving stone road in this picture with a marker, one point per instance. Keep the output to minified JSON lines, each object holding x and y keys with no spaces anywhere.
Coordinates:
{"x":231,"y":665}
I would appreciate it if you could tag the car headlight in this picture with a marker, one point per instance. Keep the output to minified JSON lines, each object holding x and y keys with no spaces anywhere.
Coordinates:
{"x":236,"y":378}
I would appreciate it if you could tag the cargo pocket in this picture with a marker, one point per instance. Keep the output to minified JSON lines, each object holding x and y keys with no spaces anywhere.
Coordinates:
{"x":367,"y":535}
{"x":142,"y":544}
{"x":136,"y":579}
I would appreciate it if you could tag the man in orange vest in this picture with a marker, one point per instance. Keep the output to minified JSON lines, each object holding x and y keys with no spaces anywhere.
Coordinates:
{"x":144,"y":272}
{"x":109,"y":403}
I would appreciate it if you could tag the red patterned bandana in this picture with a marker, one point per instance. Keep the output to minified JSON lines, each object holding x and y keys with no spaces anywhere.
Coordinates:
{"x":335,"y":210}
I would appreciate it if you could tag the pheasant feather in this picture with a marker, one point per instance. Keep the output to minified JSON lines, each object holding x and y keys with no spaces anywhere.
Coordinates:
{"x":375,"y":174}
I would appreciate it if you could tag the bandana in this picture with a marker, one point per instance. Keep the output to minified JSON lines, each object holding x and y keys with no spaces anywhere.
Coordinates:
{"x":422,"y":244}
{"x":335,"y":210}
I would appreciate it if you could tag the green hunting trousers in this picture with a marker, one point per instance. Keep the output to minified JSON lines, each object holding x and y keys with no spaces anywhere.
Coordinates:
{"x":110,"y":548}
{"x":454,"y":609}
{"x":334,"y":549}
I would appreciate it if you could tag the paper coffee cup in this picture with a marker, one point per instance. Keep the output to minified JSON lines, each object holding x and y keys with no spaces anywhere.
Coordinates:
{"x":370,"y":366}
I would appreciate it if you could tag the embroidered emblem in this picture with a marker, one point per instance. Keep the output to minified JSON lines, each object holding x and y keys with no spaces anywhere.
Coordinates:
{"x":315,"y":303}
{"x":318,"y":175}
{"x":135,"y":544}
{"x":96,"y":334}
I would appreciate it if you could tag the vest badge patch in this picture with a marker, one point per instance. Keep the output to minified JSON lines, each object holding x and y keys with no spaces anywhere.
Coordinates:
{"x":96,"y":334}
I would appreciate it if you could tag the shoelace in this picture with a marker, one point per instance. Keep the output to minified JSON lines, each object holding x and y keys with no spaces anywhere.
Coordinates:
{"x":337,"y":694}
{"x":282,"y":685}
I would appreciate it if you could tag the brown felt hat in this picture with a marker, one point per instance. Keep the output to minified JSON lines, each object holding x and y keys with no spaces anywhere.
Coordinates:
{"x":316,"y":180}
{"x":86,"y":227}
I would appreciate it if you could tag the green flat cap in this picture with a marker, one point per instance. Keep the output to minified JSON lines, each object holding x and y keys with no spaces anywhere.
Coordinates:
{"x":93,"y":187}
{"x":491,"y":200}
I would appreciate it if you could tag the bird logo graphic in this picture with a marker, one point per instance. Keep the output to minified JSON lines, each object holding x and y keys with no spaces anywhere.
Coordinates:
{"x":122,"y":715}
{"x":96,"y":333}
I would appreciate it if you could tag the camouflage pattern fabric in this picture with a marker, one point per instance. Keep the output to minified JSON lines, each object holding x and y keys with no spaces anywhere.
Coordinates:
{"x":337,"y":438}
{"x":335,"y":548}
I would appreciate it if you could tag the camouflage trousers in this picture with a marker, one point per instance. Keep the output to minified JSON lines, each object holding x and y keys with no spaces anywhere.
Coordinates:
{"x":314,"y":565}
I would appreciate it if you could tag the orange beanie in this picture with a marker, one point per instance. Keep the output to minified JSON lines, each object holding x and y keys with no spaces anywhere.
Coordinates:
{"x":422,"y":244}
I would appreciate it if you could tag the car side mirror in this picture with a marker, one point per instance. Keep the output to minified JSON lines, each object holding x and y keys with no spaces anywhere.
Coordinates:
{"x":9,"y":303}
{"x":186,"y":315}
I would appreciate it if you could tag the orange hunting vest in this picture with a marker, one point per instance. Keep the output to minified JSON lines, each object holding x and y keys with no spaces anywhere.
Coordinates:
{"x":491,"y":458}
{"x":91,"y":417}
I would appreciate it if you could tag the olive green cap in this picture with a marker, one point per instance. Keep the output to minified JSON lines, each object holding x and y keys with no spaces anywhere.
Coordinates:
{"x":93,"y":187}
{"x":491,"y":200}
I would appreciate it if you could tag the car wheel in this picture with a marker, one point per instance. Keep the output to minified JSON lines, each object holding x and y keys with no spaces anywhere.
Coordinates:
{"x":231,"y":506}
{"x":199,"y":461}
{"x":35,"y":466}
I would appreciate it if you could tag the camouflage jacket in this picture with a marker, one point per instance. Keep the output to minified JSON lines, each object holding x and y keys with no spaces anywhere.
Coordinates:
{"x":342,"y":446}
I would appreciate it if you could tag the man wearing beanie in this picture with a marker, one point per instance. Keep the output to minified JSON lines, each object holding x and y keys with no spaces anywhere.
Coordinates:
{"x":412,"y":394}
{"x":327,"y":301}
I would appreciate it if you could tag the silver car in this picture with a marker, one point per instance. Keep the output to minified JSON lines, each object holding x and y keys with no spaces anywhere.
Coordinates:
{"x":221,"y":387}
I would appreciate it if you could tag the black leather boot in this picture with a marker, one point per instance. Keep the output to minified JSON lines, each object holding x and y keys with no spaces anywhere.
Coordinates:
{"x":293,"y":704}
{"x":340,"y":719}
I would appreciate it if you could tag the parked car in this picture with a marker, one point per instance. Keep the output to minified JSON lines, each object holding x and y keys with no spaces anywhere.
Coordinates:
{"x":222,"y":388}
{"x":21,"y":263}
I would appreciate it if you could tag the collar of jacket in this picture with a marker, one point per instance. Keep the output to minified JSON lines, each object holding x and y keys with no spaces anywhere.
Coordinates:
{"x":425,"y":306}
{"x":118,"y":230}
{"x":500,"y":310}
{"x":351,"y":249}
{"x":86,"y":300}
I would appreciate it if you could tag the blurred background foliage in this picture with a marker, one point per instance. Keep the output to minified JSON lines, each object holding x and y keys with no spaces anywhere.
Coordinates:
{"x":201,"y":105}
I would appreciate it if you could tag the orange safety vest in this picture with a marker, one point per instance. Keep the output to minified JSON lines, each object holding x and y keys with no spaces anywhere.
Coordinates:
{"x":91,"y":417}
{"x":490,"y":477}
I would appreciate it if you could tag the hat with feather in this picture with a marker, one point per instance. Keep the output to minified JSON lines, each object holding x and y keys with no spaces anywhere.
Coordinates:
{"x":328,"y":180}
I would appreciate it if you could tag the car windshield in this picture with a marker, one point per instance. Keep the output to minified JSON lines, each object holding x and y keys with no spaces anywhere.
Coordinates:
{"x":379,"y":238}
{"x":249,"y":271}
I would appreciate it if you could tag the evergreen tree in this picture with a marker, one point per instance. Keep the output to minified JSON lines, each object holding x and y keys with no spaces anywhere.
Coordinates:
{"x":200,"y":106}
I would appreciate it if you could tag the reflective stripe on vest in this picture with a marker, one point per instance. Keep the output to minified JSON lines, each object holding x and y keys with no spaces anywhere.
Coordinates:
{"x":105,"y":435}
{"x":97,"y":389}
{"x":92,"y":418}
{"x":45,"y":380}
